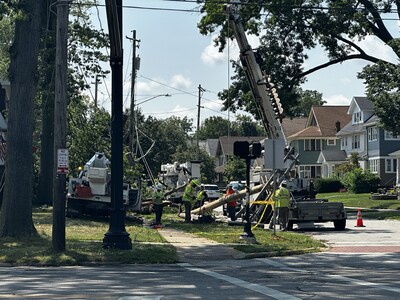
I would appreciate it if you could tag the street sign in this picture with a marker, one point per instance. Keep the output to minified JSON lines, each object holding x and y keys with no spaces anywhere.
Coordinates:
{"x":62,"y":161}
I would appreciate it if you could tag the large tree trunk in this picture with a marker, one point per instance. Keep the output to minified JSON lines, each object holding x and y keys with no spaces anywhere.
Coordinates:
{"x":16,"y":212}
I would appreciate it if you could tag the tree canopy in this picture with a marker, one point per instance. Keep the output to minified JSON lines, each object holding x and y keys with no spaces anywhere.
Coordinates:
{"x":288,"y":29}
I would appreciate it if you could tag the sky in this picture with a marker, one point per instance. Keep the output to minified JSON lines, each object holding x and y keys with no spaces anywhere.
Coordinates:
{"x":175,"y":59}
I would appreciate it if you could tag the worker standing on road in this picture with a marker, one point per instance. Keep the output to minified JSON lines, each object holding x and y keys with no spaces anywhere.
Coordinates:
{"x":158,"y":197}
{"x":189,"y":198}
{"x":282,"y":200}
{"x":231,"y":206}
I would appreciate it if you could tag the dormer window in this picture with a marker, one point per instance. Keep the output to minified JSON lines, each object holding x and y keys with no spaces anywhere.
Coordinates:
{"x":357,"y":117}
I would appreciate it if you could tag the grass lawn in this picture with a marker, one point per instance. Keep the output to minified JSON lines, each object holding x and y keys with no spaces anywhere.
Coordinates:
{"x":84,"y":244}
{"x":370,"y":208}
{"x":84,"y":237}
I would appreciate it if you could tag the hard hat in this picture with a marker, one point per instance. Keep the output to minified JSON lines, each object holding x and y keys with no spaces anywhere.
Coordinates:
{"x":284,"y":183}
{"x":229,"y":186}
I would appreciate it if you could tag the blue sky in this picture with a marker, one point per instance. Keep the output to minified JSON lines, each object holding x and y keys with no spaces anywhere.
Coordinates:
{"x":176,"y":59}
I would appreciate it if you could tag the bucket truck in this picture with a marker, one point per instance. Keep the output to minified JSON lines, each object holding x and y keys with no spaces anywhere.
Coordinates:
{"x":90,"y":193}
{"x":279,"y":159}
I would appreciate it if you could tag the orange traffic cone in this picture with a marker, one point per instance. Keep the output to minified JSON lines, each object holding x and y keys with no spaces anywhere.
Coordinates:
{"x":359,"y":219}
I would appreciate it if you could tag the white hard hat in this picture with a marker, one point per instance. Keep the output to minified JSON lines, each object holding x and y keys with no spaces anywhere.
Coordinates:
{"x":284,"y":183}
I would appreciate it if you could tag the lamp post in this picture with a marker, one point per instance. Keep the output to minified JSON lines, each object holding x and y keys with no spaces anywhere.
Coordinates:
{"x":151,"y":98}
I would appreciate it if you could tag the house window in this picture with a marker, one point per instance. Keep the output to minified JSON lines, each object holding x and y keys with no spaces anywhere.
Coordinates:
{"x":390,"y":165}
{"x":355,"y":142}
{"x":331,"y":142}
{"x":312,"y":145}
{"x":357,"y":117}
{"x":310,"y":171}
{"x":390,"y":136}
{"x":344,"y":141}
{"x":373,"y":165}
{"x":372,"y":134}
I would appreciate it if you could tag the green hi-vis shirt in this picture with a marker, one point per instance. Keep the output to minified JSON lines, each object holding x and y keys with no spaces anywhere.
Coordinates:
{"x":158,"y":197}
{"x":282,"y":197}
{"x":188,"y":194}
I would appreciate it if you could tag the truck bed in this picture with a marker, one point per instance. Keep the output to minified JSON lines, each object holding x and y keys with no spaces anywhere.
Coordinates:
{"x":317,"y":210}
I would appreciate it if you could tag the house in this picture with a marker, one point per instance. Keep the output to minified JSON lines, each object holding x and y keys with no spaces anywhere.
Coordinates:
{"x":376,"y":148}
{"x":317,"y":144}
{"x":225,"y":150}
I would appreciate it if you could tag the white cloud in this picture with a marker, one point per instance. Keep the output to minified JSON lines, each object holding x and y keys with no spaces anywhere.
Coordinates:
{"x":211,"y":56}
{"x":337,"y":100}
{"x":180,"y":82}
{"x":373,"y":46}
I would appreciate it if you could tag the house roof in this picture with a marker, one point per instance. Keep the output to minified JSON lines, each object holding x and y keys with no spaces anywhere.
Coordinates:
{"x":333,"y":155}
{"x":351,"y":128}
{"x":226,"y":142}
{"x":291,"y":126}
{"x":363,"y":103}
{"x":212,"y":147}
{"x":323,"y":122}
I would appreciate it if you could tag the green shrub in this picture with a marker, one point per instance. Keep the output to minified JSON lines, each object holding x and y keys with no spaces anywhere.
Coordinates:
{"x":328,"y":185}
{"x":359,"y":181}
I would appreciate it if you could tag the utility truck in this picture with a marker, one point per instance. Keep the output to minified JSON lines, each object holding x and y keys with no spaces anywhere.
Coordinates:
{"x":90,"y":193}
{"x":279,"y":158}
{"x":175,"y":176}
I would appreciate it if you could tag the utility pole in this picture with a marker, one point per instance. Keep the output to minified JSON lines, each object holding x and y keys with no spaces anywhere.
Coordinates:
{"x":116,"y":237}
{"x":135,"y":67}
{"x":96,"y":85}
{"x":60,"y":128}
{"x":201,"y":90}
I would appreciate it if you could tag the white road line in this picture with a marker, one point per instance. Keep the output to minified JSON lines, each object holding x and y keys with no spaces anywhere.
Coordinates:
{"x":244,"y":284}
{"x":337,"y":277}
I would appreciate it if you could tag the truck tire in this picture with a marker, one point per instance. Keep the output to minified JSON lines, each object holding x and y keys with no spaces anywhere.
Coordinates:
{"x":290,"y":225}
{"x":340,"y":224}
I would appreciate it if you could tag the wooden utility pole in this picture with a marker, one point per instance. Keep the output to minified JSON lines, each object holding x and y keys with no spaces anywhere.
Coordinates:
{"x":60,"y":127}
{"x":133,"y":80}
{"x":201,"y":90}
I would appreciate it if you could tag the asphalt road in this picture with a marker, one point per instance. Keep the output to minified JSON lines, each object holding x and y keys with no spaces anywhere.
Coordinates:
{"x":329,"y":275}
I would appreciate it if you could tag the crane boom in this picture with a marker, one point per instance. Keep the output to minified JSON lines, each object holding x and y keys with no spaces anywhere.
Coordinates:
{"x":268,"y":107}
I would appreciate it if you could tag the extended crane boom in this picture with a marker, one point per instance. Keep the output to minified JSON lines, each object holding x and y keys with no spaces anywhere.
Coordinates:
{"x":268,"y":107}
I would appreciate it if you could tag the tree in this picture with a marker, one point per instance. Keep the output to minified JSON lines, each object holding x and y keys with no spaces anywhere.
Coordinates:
{"x":16,"y":212}
{"x":246,"y":126}
{"x":288,"y":29}
{"x":213,"y":128}
{"x":306,"y":101}
{"x":159,"y":139}
{"x":84,"y":56}
{"x":235,"y":169}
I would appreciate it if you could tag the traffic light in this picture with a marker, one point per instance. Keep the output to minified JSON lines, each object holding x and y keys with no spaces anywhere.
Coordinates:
{"x":241,"y":149}
{"x":255,"y":150}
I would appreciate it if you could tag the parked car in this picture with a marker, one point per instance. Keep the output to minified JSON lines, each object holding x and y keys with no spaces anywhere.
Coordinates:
{"x":212,"y":191}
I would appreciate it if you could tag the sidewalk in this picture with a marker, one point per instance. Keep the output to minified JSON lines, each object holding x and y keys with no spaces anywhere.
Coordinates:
{"x":191,"y":248}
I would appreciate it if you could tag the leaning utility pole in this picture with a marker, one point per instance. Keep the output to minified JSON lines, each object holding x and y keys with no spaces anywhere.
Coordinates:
{"x":201,"y":90}
{"x":60,"y":128}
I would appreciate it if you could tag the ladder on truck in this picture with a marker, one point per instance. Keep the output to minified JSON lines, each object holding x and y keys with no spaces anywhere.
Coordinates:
{"x":280,"y":158}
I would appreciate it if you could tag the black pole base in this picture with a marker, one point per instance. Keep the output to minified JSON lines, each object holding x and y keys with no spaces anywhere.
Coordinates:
{"x":247,"y":234}
{"x":120,"y":241}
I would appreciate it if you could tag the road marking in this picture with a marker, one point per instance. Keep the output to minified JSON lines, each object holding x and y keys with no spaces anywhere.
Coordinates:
{"x":244,"y":284}
{"x":337,"y":277}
